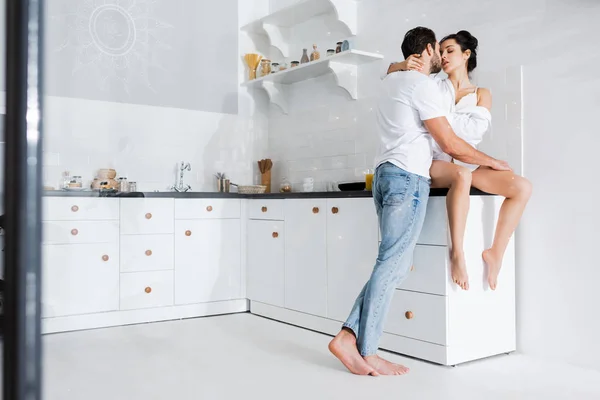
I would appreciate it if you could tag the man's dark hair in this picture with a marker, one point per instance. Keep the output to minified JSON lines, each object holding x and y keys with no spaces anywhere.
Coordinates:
{"x":416,"y":41}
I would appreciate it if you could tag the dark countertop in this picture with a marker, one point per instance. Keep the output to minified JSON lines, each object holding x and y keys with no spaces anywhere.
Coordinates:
{"x":216,"y":195}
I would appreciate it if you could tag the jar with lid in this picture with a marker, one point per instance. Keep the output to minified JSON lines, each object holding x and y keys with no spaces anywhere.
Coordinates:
{"x":295,"y":63}
{"x":123,"y":184}
{"x":76,"y":182}
{"x":338,"y":48}
{"x":274,"y":67}
{"x":330,"y":52}
{"x":265,"y":67}
{"x":285,"y":186}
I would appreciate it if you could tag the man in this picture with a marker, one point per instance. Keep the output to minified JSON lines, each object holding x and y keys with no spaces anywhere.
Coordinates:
{"x":411,"y":113}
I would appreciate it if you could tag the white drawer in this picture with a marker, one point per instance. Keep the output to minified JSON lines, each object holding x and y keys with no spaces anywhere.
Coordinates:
{"x":79,"y":232}
{"x":79,"y":208}
{"x":418,"y":316}
{"x":266,"y":209}
{"x":147,"y":252}
{"x":147,"y":216}
{"x":146,"y":290}
{"x":435,"y":227}
{"x":430,"y":271}
{"x":207,"y":208}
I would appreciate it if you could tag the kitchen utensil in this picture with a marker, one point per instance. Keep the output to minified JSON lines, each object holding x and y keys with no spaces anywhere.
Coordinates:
{"x":252,"y":60}
{"x":265,"y":173}
{"x":352,"y":186}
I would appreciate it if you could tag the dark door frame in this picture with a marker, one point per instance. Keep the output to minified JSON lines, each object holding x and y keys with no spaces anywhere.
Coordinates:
{"x":22,"y":200}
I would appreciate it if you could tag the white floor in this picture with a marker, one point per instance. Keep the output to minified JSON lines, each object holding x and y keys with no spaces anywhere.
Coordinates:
{"x":248,"y":357}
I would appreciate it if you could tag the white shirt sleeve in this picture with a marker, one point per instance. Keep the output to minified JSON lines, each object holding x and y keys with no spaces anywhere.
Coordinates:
{"x":428,"y":100}
{"x":471,"y":125}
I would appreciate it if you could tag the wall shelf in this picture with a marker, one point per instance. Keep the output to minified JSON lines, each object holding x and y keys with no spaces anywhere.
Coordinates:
{"x":343,"y":65}
{"x":277,"y":25}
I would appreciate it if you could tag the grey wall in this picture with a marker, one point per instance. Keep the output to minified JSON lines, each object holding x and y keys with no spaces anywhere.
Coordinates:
{"x":169,"y":53}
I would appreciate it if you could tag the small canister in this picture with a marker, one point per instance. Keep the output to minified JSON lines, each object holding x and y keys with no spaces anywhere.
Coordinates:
{"x":133,"y":186}
{"x":123,"y":184}
{"x":226,"y":185}
{"x":338,"y":47}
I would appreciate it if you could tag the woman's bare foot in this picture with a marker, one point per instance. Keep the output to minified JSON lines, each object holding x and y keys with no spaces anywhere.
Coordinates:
{"x":494,"y":263}
{"x":343,"y":346}
{"x":385,"y":367}
{"x":458,"y":267}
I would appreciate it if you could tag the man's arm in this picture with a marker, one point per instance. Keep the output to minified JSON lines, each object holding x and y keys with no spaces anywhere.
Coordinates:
{"x":457,"y":148}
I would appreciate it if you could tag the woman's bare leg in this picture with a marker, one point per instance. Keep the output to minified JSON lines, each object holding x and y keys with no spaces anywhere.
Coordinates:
{"x":458,"y":180}
{"x":517,"y":191}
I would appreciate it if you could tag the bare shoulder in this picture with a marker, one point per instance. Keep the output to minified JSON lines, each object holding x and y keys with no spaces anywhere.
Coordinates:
{"x":484,"y":98}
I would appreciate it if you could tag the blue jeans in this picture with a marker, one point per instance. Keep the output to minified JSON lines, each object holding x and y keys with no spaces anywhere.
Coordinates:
{"x":401,"y":202}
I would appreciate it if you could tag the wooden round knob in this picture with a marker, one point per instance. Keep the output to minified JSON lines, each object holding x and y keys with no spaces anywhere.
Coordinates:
{"x":75,"y":208}
{"x":148,"y":253}
{"x":74,"y":232}
{"x":188,"y":233}
{"x":209,"y":208}
{"x":335,"y":210}
{"x":315,"y":210}
{"x":148,"y":215}
{"x":105,"y":258}
{"x":275,"y":235}
{"x":409,"y":315}
{"x":264,"y":209}
{"x":148,"y":289}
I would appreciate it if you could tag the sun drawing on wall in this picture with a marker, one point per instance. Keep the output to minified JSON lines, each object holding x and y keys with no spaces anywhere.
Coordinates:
{"x":116,"y":39}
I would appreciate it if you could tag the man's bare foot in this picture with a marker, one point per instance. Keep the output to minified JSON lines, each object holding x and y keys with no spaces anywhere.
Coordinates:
{"x":494,"y":264}
{"x":385,"y":367}
{"x":459,"y":270}
{"x":343,"y":346}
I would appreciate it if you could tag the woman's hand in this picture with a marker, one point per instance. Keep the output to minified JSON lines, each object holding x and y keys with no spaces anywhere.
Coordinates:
{"x":414,"y":63}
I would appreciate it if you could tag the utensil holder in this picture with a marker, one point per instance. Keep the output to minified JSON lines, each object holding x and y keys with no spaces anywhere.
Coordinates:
{"x":265,"y":180}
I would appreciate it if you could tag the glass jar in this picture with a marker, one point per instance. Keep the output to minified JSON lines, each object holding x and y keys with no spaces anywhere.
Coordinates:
{"x":123,"y":184}
{"x":286,"y":186}
{"x":330,"y":52}
{"x":295,"y":63}
{"x":274,"y":67}
{"x":76,"y":182}
{"x":338,"y":48}
{"x":265,"y":67}
{"x":133,"y":186}
{"x":369,"y":180}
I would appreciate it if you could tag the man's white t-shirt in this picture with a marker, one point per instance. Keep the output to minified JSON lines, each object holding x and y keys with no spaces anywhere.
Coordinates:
{"x":407,"y":99}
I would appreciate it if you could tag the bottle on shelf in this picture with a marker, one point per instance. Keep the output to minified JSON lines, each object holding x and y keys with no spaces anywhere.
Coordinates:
{"x":315,"y":55}
{"x":304,"y":58}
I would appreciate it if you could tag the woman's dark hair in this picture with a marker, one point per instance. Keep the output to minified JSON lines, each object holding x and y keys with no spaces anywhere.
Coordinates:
{"x":466,"y":41}
{"x":416,"y":41}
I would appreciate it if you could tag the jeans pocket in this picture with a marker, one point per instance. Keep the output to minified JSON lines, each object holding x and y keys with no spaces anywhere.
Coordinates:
{"x":394,"y":187}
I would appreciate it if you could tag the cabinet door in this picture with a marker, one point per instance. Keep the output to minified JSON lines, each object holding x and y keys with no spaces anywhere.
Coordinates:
{"x":80,"y":279}
{"x":207,"y":260}
{"x":306,"y":256}
{"x":352,"y":244}
{"x":265,"y":266}
{"x":147,"y":216}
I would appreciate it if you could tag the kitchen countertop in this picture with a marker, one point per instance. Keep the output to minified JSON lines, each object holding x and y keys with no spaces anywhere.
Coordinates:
{"x":216,"y":195}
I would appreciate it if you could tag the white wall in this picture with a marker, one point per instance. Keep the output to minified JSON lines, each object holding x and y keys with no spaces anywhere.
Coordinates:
{"x":144,"y":143}
{"x":541,"y":51}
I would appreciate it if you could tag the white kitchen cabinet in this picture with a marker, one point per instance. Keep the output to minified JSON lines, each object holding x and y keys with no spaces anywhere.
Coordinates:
{"x":147,"y":252}
{"x":79,"y":208}
{"x":207,"y":260}
{"x":352,"y":245}
{"x":271,"y":209}
{"x":146,"y":290}
{"x":79,"y":232}
{"x":80,"y":279}
{"x":147,"y":216}
{"x":306,"y":256}
{"x":207,"y":208}
{"x":265,"y":281}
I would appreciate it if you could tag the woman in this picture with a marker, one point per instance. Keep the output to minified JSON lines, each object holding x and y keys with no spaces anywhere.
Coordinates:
{"x":470,"y":119}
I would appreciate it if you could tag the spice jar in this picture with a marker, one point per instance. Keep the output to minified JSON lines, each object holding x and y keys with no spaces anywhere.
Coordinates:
{"x":285,"y":187}
{"x":338,"y":48}
{"x":330,"y":52}
{"x":265,"y":67}
{"x":274,"y":67}
{"x":295,"y":63}
{"x":76,"y":182}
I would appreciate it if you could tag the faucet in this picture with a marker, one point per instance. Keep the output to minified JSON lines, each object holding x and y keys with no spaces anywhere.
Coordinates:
{"x":179,"y":185}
